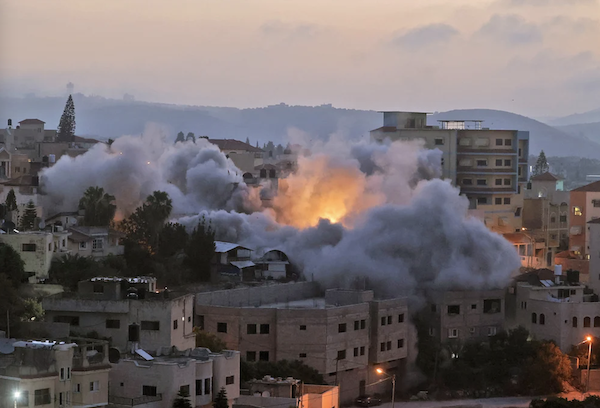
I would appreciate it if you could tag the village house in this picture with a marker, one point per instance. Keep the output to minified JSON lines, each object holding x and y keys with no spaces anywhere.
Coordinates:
{"x":97,"y":242}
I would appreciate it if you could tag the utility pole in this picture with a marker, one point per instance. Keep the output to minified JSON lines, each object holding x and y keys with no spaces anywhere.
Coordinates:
{"x":587,"y":388}
{"x":394,"y":388}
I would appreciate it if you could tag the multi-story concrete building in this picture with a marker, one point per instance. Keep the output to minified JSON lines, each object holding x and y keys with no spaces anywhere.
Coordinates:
{"x":245,"y":156}
{"x":545,"y":215}
{"x":70,"y":373}
{"x":340,"y":333}
{"x":130,"y":311}
{"x":36,"y":250}
{"x":489,"y":166}
{"x":26,"y":134}
{"x":585,"y":206}
{"x":155,"y":382}
{"x":13,"y":164}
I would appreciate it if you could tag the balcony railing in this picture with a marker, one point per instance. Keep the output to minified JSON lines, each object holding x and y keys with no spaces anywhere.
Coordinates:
{"x":486,"y":150}
{"x":484,"y":170}
{"x":132,"y":402}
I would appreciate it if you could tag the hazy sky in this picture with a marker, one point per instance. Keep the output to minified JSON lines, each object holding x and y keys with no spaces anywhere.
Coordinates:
{"x":535,"y":57}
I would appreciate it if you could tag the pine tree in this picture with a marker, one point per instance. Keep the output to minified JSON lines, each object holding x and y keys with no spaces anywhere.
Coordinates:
{"x":541,"y":165}
{"x":11,"y":201}
{"x":247,"y":140}
{"x":221,"y":399}
{"x":29,"y":216}
{"x":180,"y":137}
{"x":66,"y":127}
{"x":182,"y":400}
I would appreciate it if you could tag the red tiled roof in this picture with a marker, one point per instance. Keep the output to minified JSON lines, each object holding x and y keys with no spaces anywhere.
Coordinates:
{"x":595,"y":187}
{"x":232,"y":144}
{"x":547,"y":176}
{"x":31,"y":122}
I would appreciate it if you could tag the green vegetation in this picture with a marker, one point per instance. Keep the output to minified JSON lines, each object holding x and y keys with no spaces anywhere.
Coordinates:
{"x":98,"y":207}
{"x":282,"y":368}
{"x":28,"y":218}
{"x":66,"y":126}
{"x":541,"y":165}
{"x":221,"y":399}
{"x":209,"y":340}
{"x":11,"y":201}
{"x":182,"y":400}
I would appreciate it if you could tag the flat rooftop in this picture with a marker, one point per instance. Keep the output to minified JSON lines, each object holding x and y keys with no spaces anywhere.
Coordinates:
{"x":312,"y":303}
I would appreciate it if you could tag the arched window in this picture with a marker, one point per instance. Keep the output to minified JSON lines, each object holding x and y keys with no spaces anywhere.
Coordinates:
{"x":586,"y":321}
{"x":597,"y":321}
{"x":272,"y":173}
{"x":533,"y":318}
{"x":574,"y":321}
{"x":263,"y":173}
{"x":542,"y":318}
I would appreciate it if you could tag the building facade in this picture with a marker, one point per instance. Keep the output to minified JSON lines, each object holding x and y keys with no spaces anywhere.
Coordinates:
{"x":489,"y":166}
{"x":36,"y":250}
{"x":585,"y":207}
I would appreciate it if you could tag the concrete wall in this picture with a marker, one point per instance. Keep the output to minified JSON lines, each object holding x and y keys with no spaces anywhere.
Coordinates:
{"x":388,"y":328}
{"x":36,"y":262}
{"x":260,"y":295}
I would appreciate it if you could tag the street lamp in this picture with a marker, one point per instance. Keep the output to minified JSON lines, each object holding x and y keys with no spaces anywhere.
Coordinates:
{"x":589,"y":340}
{"x":17,"y":395}
{"x":393,"y":377}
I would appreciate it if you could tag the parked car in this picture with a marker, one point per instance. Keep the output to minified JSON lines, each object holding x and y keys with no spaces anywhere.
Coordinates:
{"x":367,"y":401}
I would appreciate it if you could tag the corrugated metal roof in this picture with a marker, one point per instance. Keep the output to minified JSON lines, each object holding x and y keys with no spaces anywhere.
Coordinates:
{"x":221,"y":246}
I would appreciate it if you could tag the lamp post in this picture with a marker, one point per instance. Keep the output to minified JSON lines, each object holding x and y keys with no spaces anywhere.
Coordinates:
{"x":589,"y":340}
{"x":393,"y":377}
{"x":17,"y":395}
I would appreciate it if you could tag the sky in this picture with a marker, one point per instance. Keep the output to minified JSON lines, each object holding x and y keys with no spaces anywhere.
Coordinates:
{"x":535,"y":57}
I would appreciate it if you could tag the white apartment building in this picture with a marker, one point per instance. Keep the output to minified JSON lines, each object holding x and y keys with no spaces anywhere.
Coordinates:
{"x":341,"y":333}
{"x":155,"y":381}
{"x":130,"y":311}
{"x":54,"y":374}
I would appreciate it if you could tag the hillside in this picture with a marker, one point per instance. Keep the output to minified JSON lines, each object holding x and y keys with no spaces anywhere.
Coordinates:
{"x":108,"y":118}
{"x":589,"y":131}
{"x":577,"y":118}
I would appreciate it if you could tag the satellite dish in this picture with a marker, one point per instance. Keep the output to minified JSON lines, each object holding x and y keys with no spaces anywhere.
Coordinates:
{"x":114,"y":355}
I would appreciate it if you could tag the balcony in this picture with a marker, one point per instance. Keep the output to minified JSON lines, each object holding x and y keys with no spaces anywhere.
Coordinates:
{"x":132,"y":402}
{"x":485,"y":150}
{"x":486,"y":190}
{"x":485,"y":170}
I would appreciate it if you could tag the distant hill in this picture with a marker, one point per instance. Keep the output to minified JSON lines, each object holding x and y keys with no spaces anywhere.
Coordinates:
{"x":589,"y":131}
{"x":109,"y":118}
{"x":577,"y":118}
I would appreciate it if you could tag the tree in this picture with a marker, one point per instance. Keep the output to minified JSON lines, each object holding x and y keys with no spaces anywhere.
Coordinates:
{"x":32,"y":310}
{"x":98,"y":206}
{"x":221,"y":399}
{"x":247,"y":140}
{"x":209,"y":340}
{"x":180,"y":137}
{"x":68,"y":270}
{"x":541,"y":165}
{"x":547,"y":371}
{"x":172,"y":239}
{"x":281,"y":368}
{"x":200,"y":251}
{"x":182,"y":400}
{"x":11,"y":201}
{"x":12,"y":266}
{"x":145,"y":224}
{"x":66,"y":126}
{"x":29,"y":216}
{"x":190,"y":137}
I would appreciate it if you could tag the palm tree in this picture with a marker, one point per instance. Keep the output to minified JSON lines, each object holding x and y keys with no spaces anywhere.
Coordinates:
{"x":98,"y":206}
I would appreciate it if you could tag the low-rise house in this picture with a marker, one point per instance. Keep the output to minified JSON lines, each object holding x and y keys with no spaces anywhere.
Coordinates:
{"x":36,"y":249}
{"x":155,"y":380}
{"x":234,"y":260}
{"x":129,"y":311}
{"x":69,"y":373}
{"x":274,"y":264}
{"x":97,"y":242}
{"x":288,"y":392}
{"x":245,"y":156}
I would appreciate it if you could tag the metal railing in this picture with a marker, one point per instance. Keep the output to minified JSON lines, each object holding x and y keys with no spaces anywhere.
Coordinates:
{"x":132,"y":402}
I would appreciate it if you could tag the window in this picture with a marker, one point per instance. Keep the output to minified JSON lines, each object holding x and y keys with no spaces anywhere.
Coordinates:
{"x":492,"y":305}
{"x":41,"y":397}
{"x":83,"y":245}
{"x":586,"y":321}
{"x":98,"y":288}
{"x":542,"y":319}
{"x":362,"y":350}
{"x":481,"y":200}
{"x":383,"y":320}
{"x":453,"y":309}
{"x":388,"y":345}
{"x":482,"y":163}
{"x":562,"y":218}
{"x":401,"y":318}
{"x":302,"y":327}
{"x":250,"y":329}
{"x":507,"y":182}
{"x":498,"y":182}
{"x":356,"y":325}
{"x":507,"y":162}
{"x":498,"y":162}
{"x":263,"y":356}
{"x":72,"y":320}
{"x":302,"y":355}
{"x":62,"y":374}
{"x":221,"y":327}
{"x":97,"y":244}
{"x":576,"y":211}
{"x":400,"y":343}
{"x":28,"y":247}
{"x":433,"y":308}
{"x":342,"y":328}
{"x":507,"y":142}
{"x":207,"y":389}
{"x":596,"y":203}
{"x":482,"y":182}
{"x":200,"y":319}
{"x":175,"y":324}
{"x":498,"y":200}
{"x":149,"y":390}
{"x":498,"y":142}
{"x":382,"y":347}
{"x":534,"y":318}
{"x":452,"y":333}
{"x":439,"y":142}
{"x":389,"y":320}
{"x":76,"y":388}
{"x":198,"y":387}
{"x":94,"y":386}
{"x":467,"y":182}
{"x":230,"y":380}
{"x":574,"y":321}
{"x":185,"y":390}
{"x":341,"y":354}
{"x":150,"y":325}
{"x":491,"y":331}
{"x":68,"y":373}
{"x":355,"y":351}
{"x":250,"y":355}
{"x":506,"y":200}
{"x":474,"y":306}
{"x":264,"y":329}
{"x":519,"y":172}
{"x":431,"y":331}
